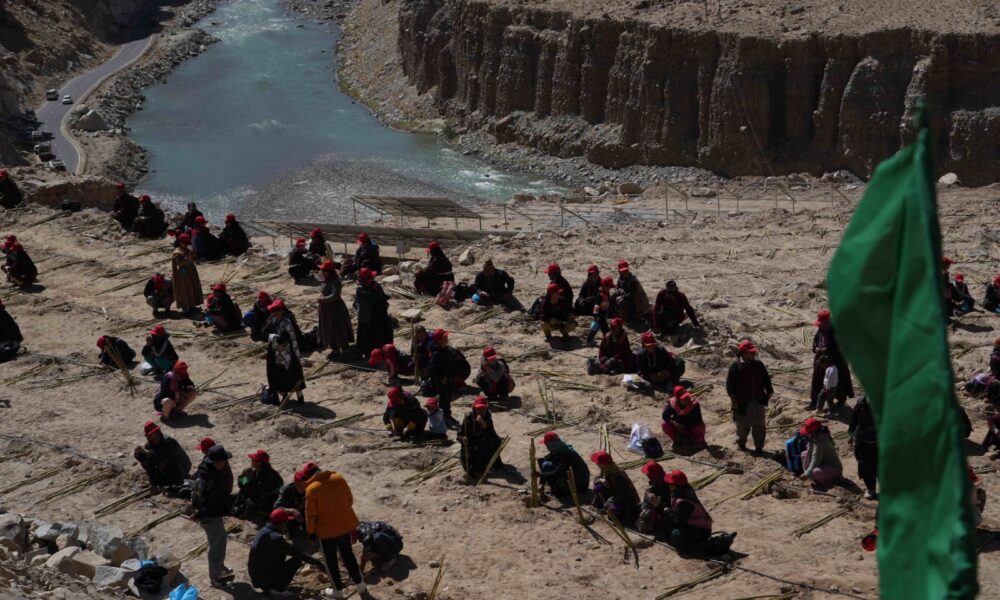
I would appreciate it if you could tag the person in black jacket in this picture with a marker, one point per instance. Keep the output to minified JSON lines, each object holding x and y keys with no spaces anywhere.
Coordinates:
{"x":274,"y":562}
{"x":430,"y":279}
{"x":479,"y":439}
{"x":447,"y":371}
{"x":10,"y":194}
{"x":20,"y":269}
{"x":220,"y":310}
{"x":864,"y":438}
{"x":991,"y":299}
{"x":403,"y":414}
{"x":293,"y":499}
{"x":256,"y":318}
{"x":260,"y":486}
{"x":125,"y":208}
{"x":380,"y":544}
{"x":372,"y":305}
{"x":748,"y":385}
{"x":159,"y":293}
{"x":150,"y":222}
{"x":590,"y":293}
{"x":189,"y":219}
{"x":365,"y":257}
{"x":10,"y":335}
{"x":317,"y":244}
{"x":233,"y":237}
{"x":556,"y":312}
{"x":106,"y":343}
{"x":495,"y":286}
{"x":655,"y":502}
{"x":554,"y":468}
{"x":657,"y":365}
{"x":210,"y":502}
{"x":300,"y":263}
{"x":159,"y":352}
{"x":163,"y":459}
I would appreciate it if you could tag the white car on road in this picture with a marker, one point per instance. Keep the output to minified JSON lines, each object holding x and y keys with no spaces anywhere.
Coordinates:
{"x":67,"y":99}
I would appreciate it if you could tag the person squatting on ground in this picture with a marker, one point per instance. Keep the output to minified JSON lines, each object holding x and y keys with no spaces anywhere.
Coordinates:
{"x":494,"y":286}
{"x":479,"y":440}
{"x":671,"y":308}
{"x":554,"y":468}
{"x":10,"y":335}
{"x":221,"y":312}
{"x":234,"y":239}
{"x":494,"y":378}
{"x":18,"y":266}
{"x":655,"y":507}
{"x":396,"y":363}
{"x":403,"y":416}
{"x":437,"y":426}
{"x":273,"y":561}
{"x":109,"y":346}
{"x":165,"y":462}
{"x":446,"y":372}
{"x":159,"y":294}
{"x":602,"y":310}
{"x":366,"y":256}
{"x":256,"y":317}
{"x":615,"y":355}
{"x":292,"y":498}
{"x":820,"y":462}
{"x":381,"y":544}
{"x":125,"y":208}
{"x":301,"y":264}
{"x":556,"y":312}
{"x":430,"y":279}
{"x":682,"y":421}
{"x":259,"y":486}
{"x":159,"y":352}
{"x":613,"y":490}
{"x":691,"y":523}
{"x":657,"y":365}
{"x":176,"y":393}
{"x":589,"y":295}
{"x":632,"y":302}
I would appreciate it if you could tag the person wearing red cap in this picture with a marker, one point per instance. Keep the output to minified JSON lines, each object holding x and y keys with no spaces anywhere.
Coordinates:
{"x":221,"y":312}
{"x":256,"y":318}
{"x":420,"y":351}
{"x":110,"y":346}
{"x":204,"y":445}
{"x":615,"y":354}
{"x":682,"y":421}
{"x":554,"y":468}
{"x":367,"y":256}
{"x":748,"y":385}
{"x":657,"y":365}
{"x":403,"y":416}
{"x":655,"y":502}
{"x":176,"y":393}
{"x":149,"y":222}
{"x":495,"y":286}
{"x":631,"y":300}
{"x":10,"y":335}
{"x":590,"y":293}
{"x":126,"y":207}
{"x":991,"y":300}
{"x":494,"y":377}
{"x":431,"y":278}
{"x":166,"y":463}
{"x":825,"y":343}
{"x":671,"y":308}
{"x":158,"y":352}
{"x":864,"y":439}
{"x":273,"y":562}
{"x":20,"y":269}
{"x":691,"y":523}
{"x":259,"y":486}
{"x":205,"y":243}
{"x":330,"y":517}
{"x":317,"y":243}
{"x":184,"y":274}
{"x":437,"y":427}
{"x":555,"y":311}
{"x":961,"y":299}
{"x":820,"y":462}
{"x":293,"y":500}
{"x":301,"y":264}
{"x":554,"y":271}
{"x":371,"y":305}
{"x":211,"y":501}
{"x":336,"y":333}
{"x":479,"y":440}
{"x":602,"y":310}
{"x":284,"y":358}
{"x":233,"y":238}
{"x":10,"y":194}
{"x":614,"y":492}
{"x":159,"y":294}
{"x":396,"y":363}
{"x":447,"y":371}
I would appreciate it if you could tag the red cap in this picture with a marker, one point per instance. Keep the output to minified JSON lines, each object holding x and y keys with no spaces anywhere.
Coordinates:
{"x":996,"y":280}
{"x":307,"y":471}
{"x":947,"y":261}
{"x":205,"y":444}
{"x":230,"y":218}
{"x":264,"y":297}
{"x":102,"y":342}
{"x":157,"y":330}
{"x":681,"y":393}
{"x":480,"y":402}
{"x":144,"y":198}
{"x":433,"y":245}
{"x":593,"y":269}
{"x":552,"y":288}
{"x":810,"y":426}
{"x":870,"y":541}
{"x":395,"y":395}
{"x":648,"y":339}
{"x":300,"y":243}
{"x":180,"y":368}
{"x":316,"y":232}
{"x":822,"y":317}
{"x":617,"y":322}
{"x":366,"y":274}
{"x":550,"y":436}
{"x":260,"y":456}
{"x":959,"y":277}
{"x":159,"y":281}
{"x":218,"y":287}
{"x":376,"y":357}
{"x":200,"y":220}
{"x":608,"y":282}
{"x":1,"y":304}
{"x":279,"y":516}
{"x":184,"y":239}
{"x":653,"y":470}
{"x":278,"y":304}
{"x":120,"y":185}
{"x":431,"y":403}
{"x":972,"y":475}
{"x":489,"y":353}
{"x":17,"y":247}
{"x":601,"y":458}
{"x":747,"y":346}
{"x":622,"y":266}
{"x":553,"y":268}
{"x":676,"y":477}
{"x":328,"y":266}
{"x":439,"y":334}
{"x":149,"y":428}
{"x":362,"y":237}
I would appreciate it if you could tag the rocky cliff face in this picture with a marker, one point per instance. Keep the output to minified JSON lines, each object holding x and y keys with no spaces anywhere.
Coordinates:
{"x":629,"y":92}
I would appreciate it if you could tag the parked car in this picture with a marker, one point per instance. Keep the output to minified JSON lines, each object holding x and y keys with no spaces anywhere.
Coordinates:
{"x":55,"y":165}
{"x":52,"y":94}
{"x":43,"y":147}
{"x":37,"y":135}
{"x":67,"y":99}
{"x":30,"y":115}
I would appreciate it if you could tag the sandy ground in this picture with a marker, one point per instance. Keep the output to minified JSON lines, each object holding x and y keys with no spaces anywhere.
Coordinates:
{"x":761,"y":272}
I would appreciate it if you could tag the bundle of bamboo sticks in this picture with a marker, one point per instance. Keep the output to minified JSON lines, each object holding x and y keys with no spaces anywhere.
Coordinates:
{"x":708,"y":479}
{"x":14,"y":456}
{"x":763,"y":485}
{"x":801,"y":531}
{"x":155,"y":522}
{"x":692,"y":583}
{"x":121,"y":503}
{"x":442,"y":466}
{"x":77,"y":486}
{"x":342,"y":422}
{"x":33,"y":479}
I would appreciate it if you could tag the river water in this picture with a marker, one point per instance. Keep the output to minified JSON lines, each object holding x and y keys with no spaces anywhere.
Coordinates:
{"x":257,"y":125}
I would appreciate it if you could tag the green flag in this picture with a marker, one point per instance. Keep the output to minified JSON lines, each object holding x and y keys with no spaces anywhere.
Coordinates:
{"x":886,"y":299}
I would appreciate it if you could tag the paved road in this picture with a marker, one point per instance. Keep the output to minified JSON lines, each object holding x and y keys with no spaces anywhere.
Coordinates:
{"x":53,"y":113}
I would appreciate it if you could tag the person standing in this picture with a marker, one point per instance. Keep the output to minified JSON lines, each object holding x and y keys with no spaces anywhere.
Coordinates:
{"x":330,"y":516}
{"x":184,"y":274}
{"x":284,"y":359}
{"x":372,"y":305}
{"x":864,"y":439}
{"x":748,"y":385}
{"x":825,"y":342}
{"x":335,"y":330}
{"x":210,"y":502}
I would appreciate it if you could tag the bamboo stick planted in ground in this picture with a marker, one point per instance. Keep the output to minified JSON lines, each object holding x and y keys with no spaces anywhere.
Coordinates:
{"x":535,"y":500}
{"x":620,"y":530}
{"x":437,"y":582}
{"x":576,"y":499}
{"x":493,"y":460}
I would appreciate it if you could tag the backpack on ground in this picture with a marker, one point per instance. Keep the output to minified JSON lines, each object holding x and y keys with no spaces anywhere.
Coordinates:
{"x":718,"y":543}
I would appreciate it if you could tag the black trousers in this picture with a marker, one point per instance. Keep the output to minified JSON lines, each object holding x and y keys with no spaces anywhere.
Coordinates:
{"x":342,"y":544}
{"x":282,"y":575}
{"x":867,"y":456}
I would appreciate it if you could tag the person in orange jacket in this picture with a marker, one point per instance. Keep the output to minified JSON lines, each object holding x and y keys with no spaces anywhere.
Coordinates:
{"x":330,"y":517}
